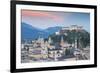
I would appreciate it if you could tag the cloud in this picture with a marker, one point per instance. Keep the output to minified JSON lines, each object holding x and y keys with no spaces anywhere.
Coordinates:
{"x":30,"y":13}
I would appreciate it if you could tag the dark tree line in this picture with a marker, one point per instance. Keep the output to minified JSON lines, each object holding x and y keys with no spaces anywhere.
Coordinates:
{"x":82,"y":37}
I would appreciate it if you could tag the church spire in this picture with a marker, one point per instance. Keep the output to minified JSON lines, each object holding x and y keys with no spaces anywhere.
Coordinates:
{"x":62,"y":40}
{"x":75,"y":43}
{"x":49,"y":40}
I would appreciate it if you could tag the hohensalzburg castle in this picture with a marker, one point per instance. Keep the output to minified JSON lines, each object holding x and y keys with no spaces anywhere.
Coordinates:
{"x":73,"y":27}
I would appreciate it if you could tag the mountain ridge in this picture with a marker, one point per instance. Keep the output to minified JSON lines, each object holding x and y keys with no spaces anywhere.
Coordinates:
{"x":29,"y":32}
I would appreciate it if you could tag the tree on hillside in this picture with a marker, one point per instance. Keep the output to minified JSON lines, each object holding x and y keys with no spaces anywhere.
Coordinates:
{"x":82,"y":37}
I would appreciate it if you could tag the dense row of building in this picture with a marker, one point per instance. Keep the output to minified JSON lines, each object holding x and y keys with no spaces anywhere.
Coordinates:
{"x":45,"y":50}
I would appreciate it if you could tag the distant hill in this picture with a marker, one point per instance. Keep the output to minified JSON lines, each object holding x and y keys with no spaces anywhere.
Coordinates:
{"x":52,"y":30}
{"x":29,"y":32}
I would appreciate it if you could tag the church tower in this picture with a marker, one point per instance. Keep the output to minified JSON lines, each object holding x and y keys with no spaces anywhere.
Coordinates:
{"x":75,"y":43}
{"x":49,"y":40}
{"x":62,"y":41}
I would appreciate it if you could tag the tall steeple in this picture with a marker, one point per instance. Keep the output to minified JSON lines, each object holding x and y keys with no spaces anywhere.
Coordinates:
{"x":62,"y":41}
{"x":75,"y":43}
{"x":49,"y":40}
{"x":39,"y":39}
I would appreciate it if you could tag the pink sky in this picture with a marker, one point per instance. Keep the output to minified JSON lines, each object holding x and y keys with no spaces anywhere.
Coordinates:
{"x":30,"y":13}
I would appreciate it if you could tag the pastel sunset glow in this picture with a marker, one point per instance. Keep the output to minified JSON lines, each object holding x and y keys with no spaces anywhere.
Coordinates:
{"x":30,"y":13}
